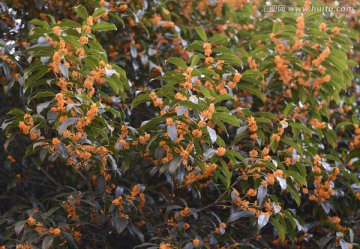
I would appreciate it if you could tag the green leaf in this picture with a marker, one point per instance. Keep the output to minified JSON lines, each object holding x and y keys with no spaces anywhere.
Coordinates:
{"x":289,"y":109}
{"x":66,"y":123}
{"x":141,"y":98}
{"x":178,"y":62}
{"x":222,"y":98}
{"x":19,"y":226}
{"x":253,"y":90}
{"x":237,"y":215}
{"x":40,"y":23}
{"x":81,"y":12}
{"x":47,"y":242}
{"x":103,"y":26}
{"x":115,"y":83}
{"x":297,"y":177}
{"x":331,"y":137}
{"x":294,"y":193}
{"x":99,"y":12}
{"x":300,"y":127}
{"x":222,"y":116}
{"x":194,"y":60}
{"x":291,"y":143}
{"x":218,"y":39}
{"x":202,"y":34}
{"x":279,"y":228}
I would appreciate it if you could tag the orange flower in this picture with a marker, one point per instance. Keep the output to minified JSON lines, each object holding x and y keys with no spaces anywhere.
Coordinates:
{"x":221,"y":151}
{"x":169,"y":121}
{"x":56,"y":30}
{"x":168,"y":25}
{"x":55,"y":231}
{"x":196,"y":242}
{"x":31,"y":221}
{"x":251,"y":192}
{"x":90,"y":20}
{"x":87,"y":29}
{"x":252,"y":124}
{"x":322,"y":27}
{"x":197,"y":133}
{"x":165,"y":246}
{"x":185,"y":212}
{"x":84,"y":40}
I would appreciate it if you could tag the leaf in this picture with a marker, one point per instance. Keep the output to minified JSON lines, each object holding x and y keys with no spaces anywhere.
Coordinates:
{"x":294,"y":194}
{"x":64,"y":70}
{"x":289,"y":109}
{"x":297,"y":177}
{"x":66,"y":123}
{"x":237,"y":215}
{"x":291,"y":143}
{"x":103,"y":26}
{"x":19,"y":226}
{"x":222,"y":116}
{"x":63,"y":150}
{"x":47,"y":242}
{"x":172,"y":132}
{"x":39,"y":23}
{"x":212,"y":134}
{"x":218,"y":39}
{"x":177,"y":62}
{"x":300,"y":127}
{"x":326,"y":205}
{"x":115,"y":83}
{"x":194,"y":60}
{"x":209,"y":153}
{"x":279,"y":228}
{"x":331,"y":137}
{"x":261,"y":194}
{"x":222,"y":98}
{"x":202,"y":34}
{"x":81,"y":11}
{"x":99,"y":12}
{"x":141,"y":98}
{"x":253,"y":90}
{"x":119,"y":223}
{"x":343,"y":244}
{"x":282,"y":183}
{"x":262,"y":220}
{"x":40,"y":107}
{"x":174,"y":164}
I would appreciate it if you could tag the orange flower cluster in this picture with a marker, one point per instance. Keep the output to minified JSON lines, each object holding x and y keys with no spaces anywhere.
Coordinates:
{"x":317,"y":124}
{"x":31,"y":221}
{"x":207,"y":114}
{"x":11,"y":159}
{"x":300,"y":24}
{"x":168,"y":25}
{"x":207,"y":49}
{"x":252,"y":63}
{"x":197,"y":174}
{"x":221,"y":151}
{"x":185,"y":212}
{"x":23,"y":246}
{"x":71,"y":207}
{"x":55,"y":231}
{"x":283,"y":70}
{"x":118,"y":202}
{"x":165,"y":246}
{"x":27,"y":124}
{"x":252,"y":127}
{"x":321,"y":57}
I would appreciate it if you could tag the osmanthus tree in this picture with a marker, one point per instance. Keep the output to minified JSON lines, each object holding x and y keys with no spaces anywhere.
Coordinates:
{"x":180,"y":125}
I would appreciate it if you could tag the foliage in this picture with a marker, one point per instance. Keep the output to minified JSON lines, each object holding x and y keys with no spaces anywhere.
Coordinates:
{"x":178,"y":124}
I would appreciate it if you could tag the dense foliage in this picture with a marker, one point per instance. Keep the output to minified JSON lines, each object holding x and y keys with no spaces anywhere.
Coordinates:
{"x":178,"y":124}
